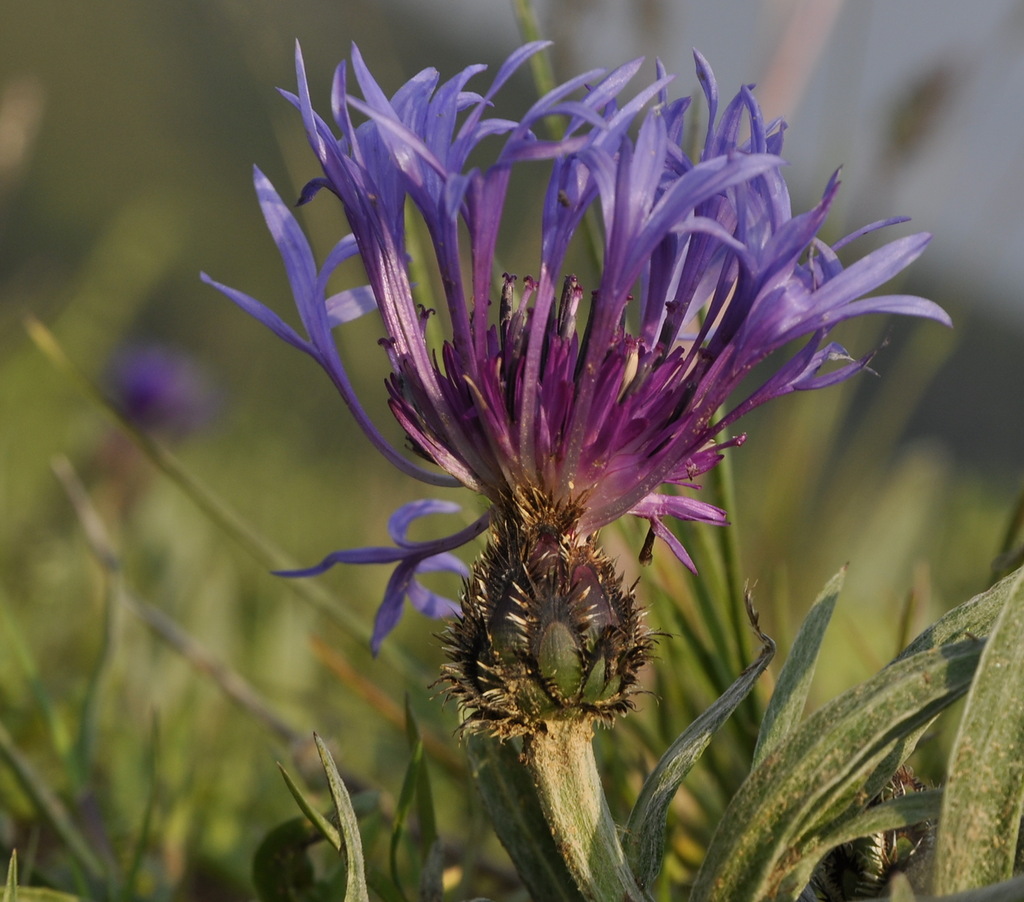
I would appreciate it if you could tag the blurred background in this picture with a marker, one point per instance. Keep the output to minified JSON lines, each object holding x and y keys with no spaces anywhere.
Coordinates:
{"x":128,"y":129}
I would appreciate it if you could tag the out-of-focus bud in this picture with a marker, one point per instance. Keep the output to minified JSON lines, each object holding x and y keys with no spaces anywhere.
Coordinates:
{"x":160,"y":390}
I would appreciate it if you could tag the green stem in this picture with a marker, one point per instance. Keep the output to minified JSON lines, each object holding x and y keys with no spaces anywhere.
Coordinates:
{"x":561,"y":760}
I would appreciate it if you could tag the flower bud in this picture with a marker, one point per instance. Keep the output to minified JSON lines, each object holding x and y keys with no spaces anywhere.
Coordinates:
{"x":548,"y":632}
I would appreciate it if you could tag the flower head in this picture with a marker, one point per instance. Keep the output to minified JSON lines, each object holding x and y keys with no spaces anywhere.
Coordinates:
{"x":160,"y":389}
{"x":564,"y":408}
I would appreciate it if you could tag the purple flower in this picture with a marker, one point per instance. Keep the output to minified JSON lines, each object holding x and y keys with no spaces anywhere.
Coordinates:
{"x":412,"y":558}
{"x":593,"y":404}
{"x":160,"y":389}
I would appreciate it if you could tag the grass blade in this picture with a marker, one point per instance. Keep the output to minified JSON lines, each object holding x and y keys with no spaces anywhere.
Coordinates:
{"x":220,"y":513}
{"x":49,"y":806}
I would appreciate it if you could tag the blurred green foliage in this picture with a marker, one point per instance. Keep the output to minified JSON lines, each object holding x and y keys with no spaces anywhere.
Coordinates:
{"x":140,"y":123}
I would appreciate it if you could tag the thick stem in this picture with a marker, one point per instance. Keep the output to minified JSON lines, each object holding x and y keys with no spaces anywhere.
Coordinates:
{"x":561,"y":760}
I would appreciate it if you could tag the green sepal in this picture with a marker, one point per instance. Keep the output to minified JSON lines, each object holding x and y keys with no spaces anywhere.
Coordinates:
{"x":559,"y":660}
{"x":597,"y":688}
{"x":532,"y":699}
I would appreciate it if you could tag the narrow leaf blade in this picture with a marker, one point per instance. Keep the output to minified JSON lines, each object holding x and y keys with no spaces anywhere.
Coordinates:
{"x":973,"y":619}
{"x":984,"y":795}
{"x":894,"y":814}
{"x":644,"y":841}
{"x":424,"y":792}
{"x":814,"y":779}
{"x":11,"y":884}
{"x":326,"y":828}
{"x":355,"y":889}
{"x":1009,"y":891}
{"x":785,"y":709}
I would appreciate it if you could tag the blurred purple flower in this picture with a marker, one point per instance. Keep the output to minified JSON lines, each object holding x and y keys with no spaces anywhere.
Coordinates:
{"x":160,"y":390}
{"x":592,"y":405}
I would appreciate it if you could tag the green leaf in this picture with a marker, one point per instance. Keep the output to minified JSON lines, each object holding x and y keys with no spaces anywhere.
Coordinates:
{"x":511,"y":801}
{"x":1009,"y":891}
{"x":281,"y":865}
{"x":424,"y":793}
{"x":355,"y":889}
{"x":326,"y":828}
{"x":894,"y":814}
{"x":49,"y":806}
{"x":814,"y":780}
{"x":432,"y":874}
{"x":984,"y":794}
{"x":142,"y":840}
{"x":415,"y":788}
{"x":970,"y":620}
{"x":11,"y":885}
{"x":15,"y":893}
{"x":644,"y":840}
{"x":902,"y":811}
{"x":786,"y":707}
{"x":900,"y":889}
{"x":44,"y":894}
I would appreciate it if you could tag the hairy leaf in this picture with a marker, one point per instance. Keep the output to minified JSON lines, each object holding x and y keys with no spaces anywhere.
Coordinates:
{"x":644,"y":840}
{"x":815,"y":778}
{"x":984,"y":793}
{"x":787,"y":702}
{"x":355,"y":890}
